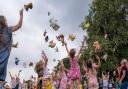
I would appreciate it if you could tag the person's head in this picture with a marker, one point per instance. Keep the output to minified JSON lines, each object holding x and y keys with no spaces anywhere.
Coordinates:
{"x":105,"y":74}
{"x":13,"y":78}
{"x":62,"y":68}
{"x":124,"y":62}
{"x":89,"y":64}
{"x":39,"y":66}
{"x":3,"y":22}
{"x":72,"y":53}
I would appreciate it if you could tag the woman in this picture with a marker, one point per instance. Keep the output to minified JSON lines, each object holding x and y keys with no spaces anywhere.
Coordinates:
{"x":6,"y":43}
{"x":124,"y":75}
{"x":92,"y":73}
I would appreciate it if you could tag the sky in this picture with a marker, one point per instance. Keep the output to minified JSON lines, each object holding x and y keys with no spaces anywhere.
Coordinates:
{"x":69,"y":13}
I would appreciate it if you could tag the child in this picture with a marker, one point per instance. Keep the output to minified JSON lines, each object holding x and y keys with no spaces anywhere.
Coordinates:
{"x":74,"y":72}
{"x":90,"y":69}
{"x":63,"y":80}
{"x":45,"y":61}
{"x":13,"y":81}
{"x":39,"y":70}
{"x":105,"y":78}
{"x":55,"y":81}
{"x":6,"y":43}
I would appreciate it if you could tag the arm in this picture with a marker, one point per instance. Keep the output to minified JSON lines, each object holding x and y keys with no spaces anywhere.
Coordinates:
{"x":18,"y":74}
{"x":122,"y":77}
{"x":108,"y":75}
{"x":99,"y":64}
{"x":102,"y":75}
{"x":79,"y":52}
{"x":10,"y":75}
{"x":67,"y":49}
{"x":84,"y":67}
{"x":45,"y":58}
{"x":19,"y":25}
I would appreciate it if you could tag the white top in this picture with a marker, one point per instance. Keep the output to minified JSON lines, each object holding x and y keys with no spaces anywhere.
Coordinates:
{"x":46,"y":72}
{"x":105,"y":83}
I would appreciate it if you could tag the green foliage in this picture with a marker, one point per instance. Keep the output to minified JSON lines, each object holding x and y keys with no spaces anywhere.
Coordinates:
{"x":107,"y":17}
{"x":66,"y":62}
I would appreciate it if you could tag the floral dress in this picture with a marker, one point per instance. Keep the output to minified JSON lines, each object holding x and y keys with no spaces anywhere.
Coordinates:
{"x":63,"y":81}
{"x":74,"y":72}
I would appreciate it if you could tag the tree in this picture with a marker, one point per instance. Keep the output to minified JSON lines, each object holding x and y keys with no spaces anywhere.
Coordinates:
{"x":107,"y":23}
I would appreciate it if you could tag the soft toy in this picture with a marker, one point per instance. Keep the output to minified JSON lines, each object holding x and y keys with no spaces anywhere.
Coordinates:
{"x":49,"y":13}
{"x":31,"y":64}
{"x":97,"y":46}
{"x":87,"y":25}
{"x":24,"y":65}
{"x":52,"y":44}
{"x":54,"y":24}
{"x":28,"y":6}
{"x":15,"y":45}
{"x":45,"y":32}
{"x":46,"y":39}
{"x":61,"y":38}
{"x":17,"y":61}
{"x":72,"y":37}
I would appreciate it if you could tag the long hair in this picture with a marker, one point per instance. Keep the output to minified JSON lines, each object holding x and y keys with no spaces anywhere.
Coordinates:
{"x":2,"y":22}
{"x":72,"y":53}
{"x":89,"y":64}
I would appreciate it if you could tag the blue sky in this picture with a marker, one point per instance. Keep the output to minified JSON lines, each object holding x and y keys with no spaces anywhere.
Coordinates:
{"x":69,"y":13}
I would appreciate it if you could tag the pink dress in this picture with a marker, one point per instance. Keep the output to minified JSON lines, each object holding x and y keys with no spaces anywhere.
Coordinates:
{"x":74,"y":72}
{"x":63,"y":82}
{"x":92,"y":79}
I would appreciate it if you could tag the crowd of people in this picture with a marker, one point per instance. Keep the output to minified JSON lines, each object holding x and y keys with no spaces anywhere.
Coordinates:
{"x":72,"y":78}
{"x":63,"y":78}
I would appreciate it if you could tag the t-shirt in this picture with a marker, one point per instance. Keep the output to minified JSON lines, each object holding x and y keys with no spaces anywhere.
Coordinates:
{"x":126,"y":76}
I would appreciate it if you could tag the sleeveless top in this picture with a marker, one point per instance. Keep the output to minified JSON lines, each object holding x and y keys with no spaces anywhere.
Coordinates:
{"x":74,"y":63}
{"x":5,"y":49}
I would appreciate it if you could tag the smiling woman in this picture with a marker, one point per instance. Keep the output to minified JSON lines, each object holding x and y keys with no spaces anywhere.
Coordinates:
{"x":6,"y":43}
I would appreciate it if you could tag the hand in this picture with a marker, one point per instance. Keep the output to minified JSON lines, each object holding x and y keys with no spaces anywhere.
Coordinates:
{"x":21,"y":12}
{"x":82,"y":43}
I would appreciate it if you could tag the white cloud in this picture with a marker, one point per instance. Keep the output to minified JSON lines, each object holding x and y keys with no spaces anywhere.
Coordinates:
{"x":70,"y":14}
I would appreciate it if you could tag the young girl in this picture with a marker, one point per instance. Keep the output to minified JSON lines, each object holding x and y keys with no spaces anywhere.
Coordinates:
{"x":92,"y":73}
{"x":55,"y":81}
{"x":39,"y":70}
{"x":63,"y":80}
{"x":6,"y":43}
{"x":74,"y":72}
{"x":45,"y":61}
{"x":13,"y":81}
{"x":105,"y":78}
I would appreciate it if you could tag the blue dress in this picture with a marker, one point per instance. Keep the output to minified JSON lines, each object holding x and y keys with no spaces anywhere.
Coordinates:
{"x":5,"y":49}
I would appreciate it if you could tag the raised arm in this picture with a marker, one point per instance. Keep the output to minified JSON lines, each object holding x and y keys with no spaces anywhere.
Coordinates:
{"x":96,"y":66}
{"x":108,"y":75}
{"x":67,"y":49}
{"x":123,"y":75}
{"x":45,"y":58}
{"x":82,"y":45}
{"x":19,"y":25}
{"x":83,"y":66}
{"x":102,"y":75}
{"x":10,"y":75}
